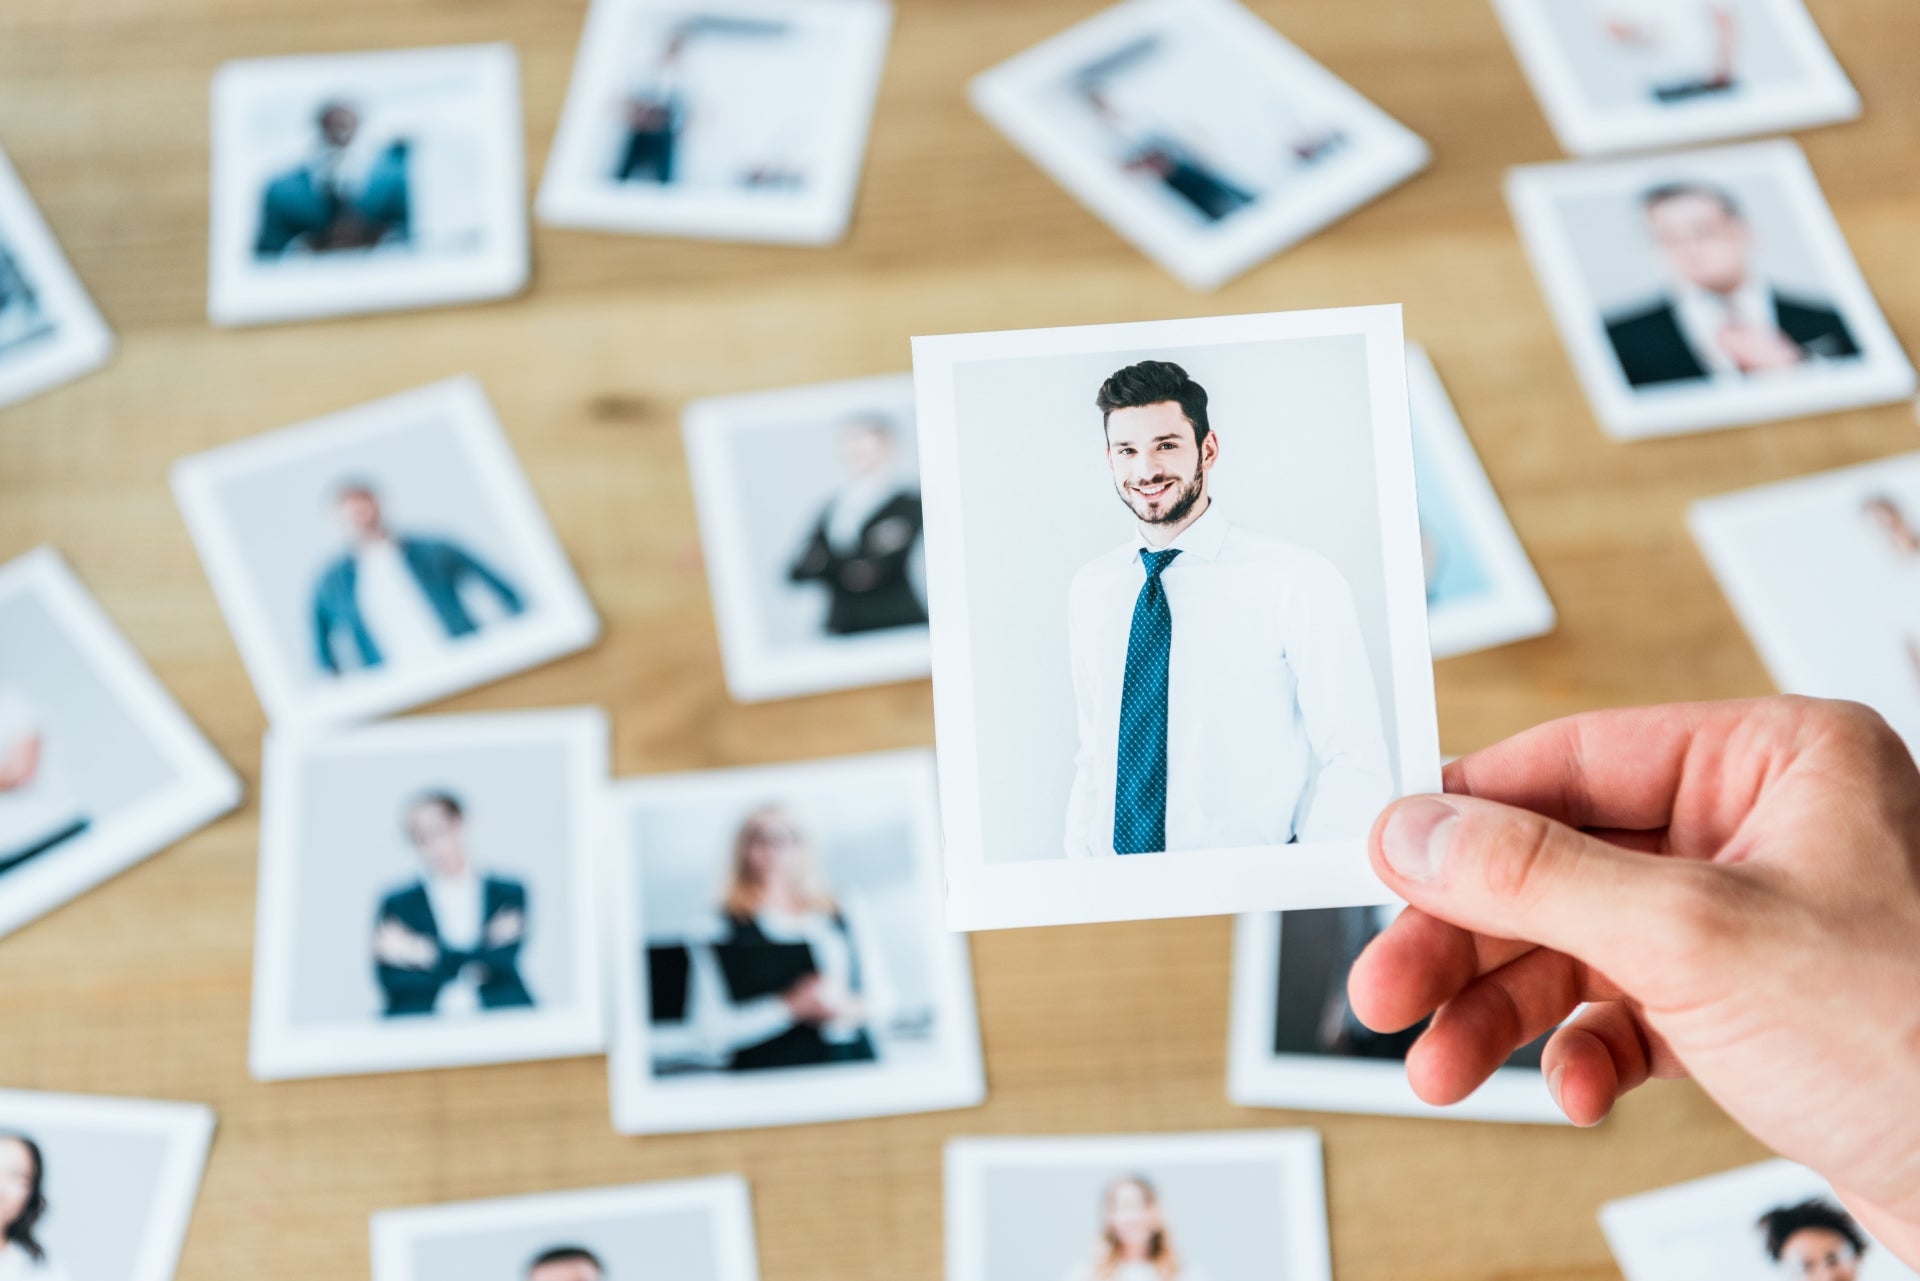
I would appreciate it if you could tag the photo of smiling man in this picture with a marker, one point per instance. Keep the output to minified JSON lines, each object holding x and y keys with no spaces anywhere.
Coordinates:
{"x":1221,"y":676}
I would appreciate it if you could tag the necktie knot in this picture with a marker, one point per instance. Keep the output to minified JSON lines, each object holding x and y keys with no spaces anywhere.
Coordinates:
{"x":1156,"y":562}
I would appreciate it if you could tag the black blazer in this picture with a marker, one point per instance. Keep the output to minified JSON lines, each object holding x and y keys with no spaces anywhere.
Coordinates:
{"x":870,"y":589}
{"x":1652,"y":348}
{"x":415,"y":991}
{"x":800,"y":1045}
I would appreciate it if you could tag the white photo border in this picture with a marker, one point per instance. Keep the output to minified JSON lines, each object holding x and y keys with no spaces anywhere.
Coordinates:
{"x":1296,"y":1152}
{"x":725,"y":1197}
{"x":1214,"y":882}
{"x":278,"y":1050}
{"x":203,"y":788}
{"x":572,"y":195}
{"x":1882,"y":374}
{"x":1825,"y":97}
{"x":239,"y":292}
{"x":81,"y":341}
{"x":187,"y":1129}
{"x":1624,"y":1222}
{"x":755,"y":671}
{"x":1258,"y":1077}
{"x":836,"y":1093}
{"x":563,"y":619}
{"x":1388,"y":153}
{"x":1515,"y":605}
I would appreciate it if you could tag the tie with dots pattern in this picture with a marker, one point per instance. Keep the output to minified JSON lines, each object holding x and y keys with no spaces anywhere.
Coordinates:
{"x":1140,"y":789}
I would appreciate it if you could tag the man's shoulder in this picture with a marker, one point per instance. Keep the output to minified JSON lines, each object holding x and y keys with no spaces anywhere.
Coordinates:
{"x":1791,"y":305}
{"x":400,"y":898}
{"x":1643,"y":320}
{"x":1108,"y":564}
{"x":1242,"y":543}
{"x":506,"y":886}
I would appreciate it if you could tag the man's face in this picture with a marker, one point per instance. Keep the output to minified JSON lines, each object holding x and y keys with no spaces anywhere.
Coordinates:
{"x":1819,"y":1254}
{"x":360,"y":513}
{"x":565,"y":1270}
{"x":339,"y":124}
{"x":1158,"y":471}
{"x":865,"y":449}
{"x":436,"y":833}
{"x":1703,"y":243}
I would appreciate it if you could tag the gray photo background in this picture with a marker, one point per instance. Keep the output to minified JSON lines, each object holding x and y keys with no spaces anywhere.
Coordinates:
{"x":1043,"y":1223}
{"x":100,"y":1188}
{"x":785,"y":473}
{"x":93,"y":744}
{"x":862,"y":831}
{"x":661,"y":1246}
{"x":286,"y":531}
{"x":1622,"y":268}
{"x":1763,"y":59}
{"x":352,"y":851}
{"x":1296,"y":462}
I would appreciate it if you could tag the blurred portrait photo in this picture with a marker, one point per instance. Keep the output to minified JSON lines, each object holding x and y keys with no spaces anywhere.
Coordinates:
{"x":1482,"y":590}
{"x":1760,"y":1223}
{"x":382,"y":557}
{"x":426,"y":895}
{"x":1173,"y":1207}
{"x":1631,"y":75}
{"x":721,"y":119}
{"x":1296,"y":1042}
{"x":780,"y":952}
{"x":1197,"y":131}
{"x":50,"y":332}
{"x":689,"y":1230}
{"x":99,"y":767}
{"x":94,"y":1188}
{"x":1710,"y":289}
{"x":1824,"y":574}
{"x":809,"y":504}
{"x":1189,"y":621}
{"x":366,"y":182}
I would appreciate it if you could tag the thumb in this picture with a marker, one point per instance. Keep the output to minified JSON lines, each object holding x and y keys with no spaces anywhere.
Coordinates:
{"x":1514,"y":874}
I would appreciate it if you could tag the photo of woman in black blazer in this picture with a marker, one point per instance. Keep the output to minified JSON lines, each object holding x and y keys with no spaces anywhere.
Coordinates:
{"x":861,"y":547}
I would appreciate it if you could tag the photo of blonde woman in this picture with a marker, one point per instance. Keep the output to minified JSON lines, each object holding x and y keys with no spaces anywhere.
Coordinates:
{"x":1135,"y":1242}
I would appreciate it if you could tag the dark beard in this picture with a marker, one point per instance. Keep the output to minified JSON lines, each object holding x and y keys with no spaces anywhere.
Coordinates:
{"x":1190,"y":494}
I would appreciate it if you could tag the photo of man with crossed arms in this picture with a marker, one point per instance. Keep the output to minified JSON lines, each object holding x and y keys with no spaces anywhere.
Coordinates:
{"x":1221,"y":676}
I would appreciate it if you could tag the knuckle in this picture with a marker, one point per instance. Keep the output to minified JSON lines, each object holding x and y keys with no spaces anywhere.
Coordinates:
{"x":1519,"y":855}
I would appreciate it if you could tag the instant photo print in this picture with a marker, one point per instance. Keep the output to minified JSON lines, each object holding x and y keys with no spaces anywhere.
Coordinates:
{"x":365,"y":182}
{"x":1635,"y":75}
{"x":689,"y":1230}
{"x":1761,"y":1223}
{"x":1482,"y":590}
{"x":1197,"y":132}
{"x":809,"y":505}
{"x":99,"y":767}
{"x":1295,"y":1041}
{"x":382,"y":557}
{"x":1705,"y":289}
{"x":1213,"y":1206}
{"x":779,"y":953}
{"x":1179,"y":628}
{"x":1823,"y":572}
{"x":718,"y":119}
{"x":108,"y":1184}
{"x":50,"y":332}
{"x":427,"y":895}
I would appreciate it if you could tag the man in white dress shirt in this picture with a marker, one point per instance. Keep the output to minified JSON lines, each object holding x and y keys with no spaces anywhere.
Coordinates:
{"x":1676,"y":50}
{"x":1224,"y":693}
{"x":38,"y":811}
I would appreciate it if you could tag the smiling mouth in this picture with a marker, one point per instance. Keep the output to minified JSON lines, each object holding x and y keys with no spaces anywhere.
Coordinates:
{"x":1155,"y":489}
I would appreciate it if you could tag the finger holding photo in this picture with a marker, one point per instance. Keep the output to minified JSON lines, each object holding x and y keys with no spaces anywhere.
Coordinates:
{"x":50,"y":332}
{"x":363,"y":182}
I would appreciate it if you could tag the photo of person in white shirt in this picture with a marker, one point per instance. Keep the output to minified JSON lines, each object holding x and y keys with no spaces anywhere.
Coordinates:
{"x":1135,"y":1242}
{"x":1224,"y":694}
{"x":39,"y":810}
{"x":1674,"y":50}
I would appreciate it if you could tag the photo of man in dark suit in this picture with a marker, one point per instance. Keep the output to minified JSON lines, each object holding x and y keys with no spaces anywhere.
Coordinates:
{"x":861,"y":547}
{"x":393,"y":597}
{"x":1720,"y":318}
{"x":448,"y":941}
{"x":339,"y":197}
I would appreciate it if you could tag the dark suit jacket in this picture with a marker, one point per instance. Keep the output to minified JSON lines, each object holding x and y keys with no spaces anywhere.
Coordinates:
{"x":869,"y":589}
{"x":438,"y":565}
{"x":415,"y":991}
{"x":1652,"y":348}
{"x":296,"y":209}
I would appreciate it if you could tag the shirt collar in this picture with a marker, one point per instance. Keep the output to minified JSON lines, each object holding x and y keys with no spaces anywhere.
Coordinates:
{"x":1752,"y":303}
{"x":1203,"y":538}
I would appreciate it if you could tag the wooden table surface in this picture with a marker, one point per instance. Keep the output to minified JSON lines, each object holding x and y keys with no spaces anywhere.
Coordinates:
{"x":141,"y":987}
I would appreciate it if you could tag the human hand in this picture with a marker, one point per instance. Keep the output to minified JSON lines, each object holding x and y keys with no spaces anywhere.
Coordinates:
{"x":1759,"y":347}
{"x":1732,"y":888}
{"x":506,"y":927}
{"x":403,"y":949}
{"x":807,"y":1001}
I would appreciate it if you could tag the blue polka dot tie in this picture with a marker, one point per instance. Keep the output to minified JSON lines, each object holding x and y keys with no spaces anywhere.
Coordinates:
{"x":1140,"y":788}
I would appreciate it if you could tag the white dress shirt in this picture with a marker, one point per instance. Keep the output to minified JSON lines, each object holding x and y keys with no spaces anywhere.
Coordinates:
{"x":43,"y":806}
{"x":16,"y":1266}
{"x":1678,"y":44}
{"x":1273,"y":722}
{"x":457,"y":903}
{"x":1703,"y":315}
{"x":396,"y":612}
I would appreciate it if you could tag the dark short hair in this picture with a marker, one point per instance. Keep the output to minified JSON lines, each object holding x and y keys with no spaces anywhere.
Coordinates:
{"x":1675,"y":190}
{"x":1154,"y":382}
{"x":445,"y":800}
{"x":20,"y":1231}
{"x":567,"y":1254}
{"x":1782,"y":1222}
{"x":332,"y":105}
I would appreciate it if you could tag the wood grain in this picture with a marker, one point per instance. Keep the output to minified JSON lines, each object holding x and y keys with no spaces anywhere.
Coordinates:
{"x":142,"y":986}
